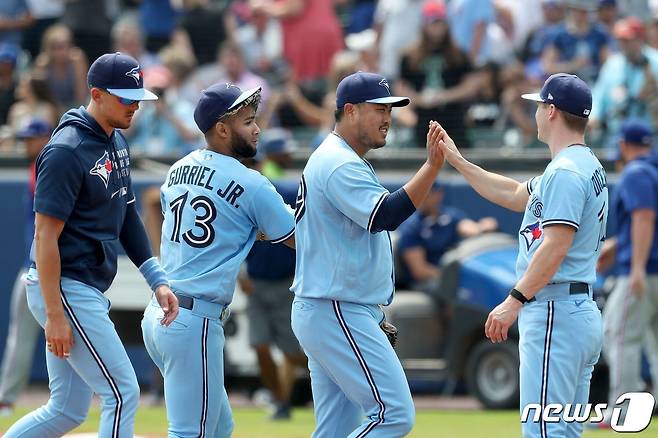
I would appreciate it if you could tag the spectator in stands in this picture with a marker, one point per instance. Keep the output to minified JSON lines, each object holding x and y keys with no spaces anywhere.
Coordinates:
{"x":65,"y":67}
{"x":163,"y":127}
{"x":34,"y":99}
{"x":181,"y":63}
{"x":361,"y":15}
{"x":437,"y":76}
{"x":311,"y":35}
{"x":625,"y":84}
{"x":397,"y":23}
{"x":127,"y":38}
{"x":230,"y":67}
{"x":427,"y":235}
{"x":204,"y":22}
{"x":468,"y":21}
{"x":276,"y":147}
{"x":23,"y":329}
{"x":45,"y":13}
{"x":261,"y":41}
{"x":14,"y":19}
{"x":580,"y":46}
{"x":608,"y":14}
{"x":266,"y":282}
{"x":8,"y":58}
{"x":528,"y":74}
{"x":157,"y":19}
{"x":90,"y":22}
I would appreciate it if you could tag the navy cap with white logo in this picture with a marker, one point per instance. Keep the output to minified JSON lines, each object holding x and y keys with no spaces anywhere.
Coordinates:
{"x":119,"y":74}
{"x":220,"y":100}
{"x":362,"y":87}
{"x":567,"y":92}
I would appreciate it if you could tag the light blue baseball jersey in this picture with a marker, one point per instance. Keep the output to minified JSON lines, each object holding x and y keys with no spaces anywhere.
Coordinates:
{"x":213,"y":206}
{"x":572,"y":191}
{"x":338,"y":257}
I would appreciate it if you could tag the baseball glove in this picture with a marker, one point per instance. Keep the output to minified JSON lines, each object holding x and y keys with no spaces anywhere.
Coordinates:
{"x":390,"y":331}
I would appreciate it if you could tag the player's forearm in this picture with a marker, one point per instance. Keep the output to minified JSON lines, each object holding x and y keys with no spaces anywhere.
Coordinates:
{"x":49,"y":268}
{"x":496,"y":188}
{"x":420,"y":184}
{"x":642,"y":233}
{"x":542,"y":267}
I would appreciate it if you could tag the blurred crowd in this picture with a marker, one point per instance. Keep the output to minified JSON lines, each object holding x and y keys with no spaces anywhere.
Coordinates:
{"x":462,"y":62}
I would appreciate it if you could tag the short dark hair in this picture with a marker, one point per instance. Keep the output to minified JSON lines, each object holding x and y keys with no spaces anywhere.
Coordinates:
{"x":575,"y":123}
{"x":339,"y":113}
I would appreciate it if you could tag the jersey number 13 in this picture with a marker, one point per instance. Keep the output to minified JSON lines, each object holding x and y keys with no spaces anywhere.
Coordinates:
{"x":206,"y":213}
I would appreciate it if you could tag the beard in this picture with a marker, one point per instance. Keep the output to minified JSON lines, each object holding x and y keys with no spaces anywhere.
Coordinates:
{"x":369,"y":141}
{"x":241,"y":147}
{"x":118,"y":123}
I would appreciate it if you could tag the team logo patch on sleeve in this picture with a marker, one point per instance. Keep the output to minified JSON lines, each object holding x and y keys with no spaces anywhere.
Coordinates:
{"x":102,"y":168}
{"x":531,"y":233}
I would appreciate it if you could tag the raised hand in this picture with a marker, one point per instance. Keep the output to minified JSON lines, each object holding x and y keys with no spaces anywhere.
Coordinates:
{"x":435,"y":156}
{"x":448,"y":147}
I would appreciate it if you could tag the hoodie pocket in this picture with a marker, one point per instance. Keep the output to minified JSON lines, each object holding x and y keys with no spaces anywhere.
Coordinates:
{"x":106,"y":252}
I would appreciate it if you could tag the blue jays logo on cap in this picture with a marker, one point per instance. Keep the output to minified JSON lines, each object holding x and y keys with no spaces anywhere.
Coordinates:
{"x":102,"y":168}
{"x":136,"y":74}
{"x":119,"y":74}
{"x":567,"y":92}
{"x":362,"y":87}
{"x":220,"y":100}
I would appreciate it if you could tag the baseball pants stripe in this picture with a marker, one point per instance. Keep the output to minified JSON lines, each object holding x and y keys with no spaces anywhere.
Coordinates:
{"x":546,"y":363}
{"x":364,"y":367}
{"x":359,"y":386}
{"x":98,"y":363}
{"x":101,"y":365}
{"x":559,"y":344}
{"x":204,"y":366}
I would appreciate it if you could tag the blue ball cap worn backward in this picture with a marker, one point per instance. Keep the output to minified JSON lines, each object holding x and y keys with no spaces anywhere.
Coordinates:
{"x":119,"y":74}
{"x":567,"y":92}
{"x":218,"y":100}
{"x":362,"y":87}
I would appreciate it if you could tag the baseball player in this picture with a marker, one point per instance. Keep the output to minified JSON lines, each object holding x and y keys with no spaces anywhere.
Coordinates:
{"x":565,"y":214}
{"x":632,"y":308}
{"x":213,"y":208}
{"x":85,"y":209}
{"x":344,"y":267}
{"x":23,"y":329}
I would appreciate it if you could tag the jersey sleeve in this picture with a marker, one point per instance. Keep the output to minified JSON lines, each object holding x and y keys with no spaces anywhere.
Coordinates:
{"x":640,"y":193}
{"x":564,"y":194}
{"x":531,"y":184}
{"x":272,"y":216}
{"x":354,"y":191}
{"x":59,"y":178}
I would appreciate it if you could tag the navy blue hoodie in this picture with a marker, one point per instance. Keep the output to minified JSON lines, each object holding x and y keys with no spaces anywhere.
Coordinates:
{"x":637,"y":189}
{"x":83,"y":179}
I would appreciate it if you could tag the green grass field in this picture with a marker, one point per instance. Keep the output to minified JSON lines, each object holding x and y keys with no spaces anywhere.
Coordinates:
{"x":252,"y":423}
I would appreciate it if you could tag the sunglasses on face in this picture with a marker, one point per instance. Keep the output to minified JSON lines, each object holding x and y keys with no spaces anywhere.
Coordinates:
{"x":123,"y":100}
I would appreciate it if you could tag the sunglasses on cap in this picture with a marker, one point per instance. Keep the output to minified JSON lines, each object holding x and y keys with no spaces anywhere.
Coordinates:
{"x":123,"y":100}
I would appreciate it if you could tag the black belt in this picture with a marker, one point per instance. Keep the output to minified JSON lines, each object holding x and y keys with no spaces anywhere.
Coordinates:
{"x":184,"y":301}
{"x":574,"y":289}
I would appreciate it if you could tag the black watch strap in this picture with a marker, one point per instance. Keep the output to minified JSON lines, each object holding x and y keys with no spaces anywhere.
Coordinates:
{"x":518,"y":296}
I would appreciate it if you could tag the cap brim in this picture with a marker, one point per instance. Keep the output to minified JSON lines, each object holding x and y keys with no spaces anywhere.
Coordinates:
{"x":244,"y":96}
{"x":391,"y":100}
{"x":133,"y":93}
{"x":533,"y":96}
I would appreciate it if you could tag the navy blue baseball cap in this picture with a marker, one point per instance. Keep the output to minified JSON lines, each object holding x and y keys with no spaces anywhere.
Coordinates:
{"x":119,"y":74}
{"x":362,"y":87}
{"x":567,"y":92}
{"x":637,"y":132}
{"x":36,"y":127}
{"x":220,"y":100}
